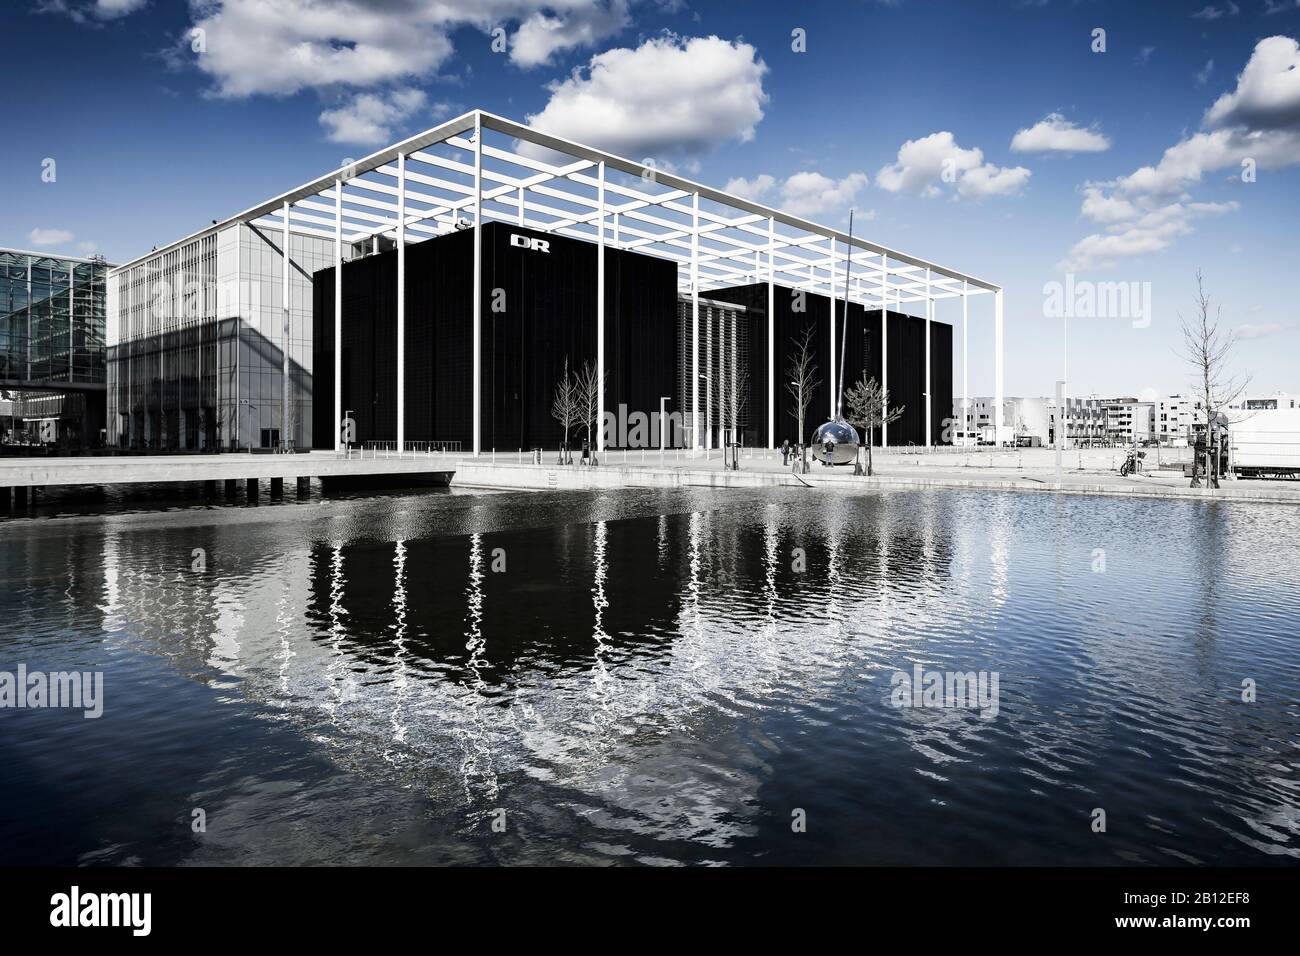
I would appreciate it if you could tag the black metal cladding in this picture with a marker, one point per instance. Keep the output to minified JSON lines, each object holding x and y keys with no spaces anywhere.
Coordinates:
{"x":796,"y":310}
{"x":539,"y":307}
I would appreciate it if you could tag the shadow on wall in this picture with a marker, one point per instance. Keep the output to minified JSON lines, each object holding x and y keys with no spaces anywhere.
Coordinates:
{"x":214,"y":387}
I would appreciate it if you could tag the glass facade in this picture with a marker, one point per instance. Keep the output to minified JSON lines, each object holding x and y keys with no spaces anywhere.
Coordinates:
{"x":52,"y":332}
{"x":196,"y":361}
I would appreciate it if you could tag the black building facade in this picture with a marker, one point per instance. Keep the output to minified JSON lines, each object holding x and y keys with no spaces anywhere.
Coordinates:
{"x":796,"y":310}
{"x":539,"y":308}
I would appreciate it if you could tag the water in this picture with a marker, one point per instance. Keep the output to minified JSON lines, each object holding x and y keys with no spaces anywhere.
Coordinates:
{"x":650,"y":680}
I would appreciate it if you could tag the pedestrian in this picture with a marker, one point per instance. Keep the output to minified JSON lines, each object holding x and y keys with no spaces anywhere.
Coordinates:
{"x":785,"y":453}
{"x":586,"y":452}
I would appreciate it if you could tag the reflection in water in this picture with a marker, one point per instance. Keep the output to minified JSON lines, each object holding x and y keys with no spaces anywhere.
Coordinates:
{"x":653,"y":677}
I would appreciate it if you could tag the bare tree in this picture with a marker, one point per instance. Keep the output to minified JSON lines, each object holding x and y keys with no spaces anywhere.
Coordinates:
{"x":802,"y":380}
{"x":868,"y":405}
{"x":733,"y":405}
{"x":564,"y":409}
{"x":587,"y":391}
{"x":1208,"y":350}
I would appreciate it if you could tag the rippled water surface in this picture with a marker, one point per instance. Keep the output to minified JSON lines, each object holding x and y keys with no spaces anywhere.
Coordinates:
{"x":655,"y":677}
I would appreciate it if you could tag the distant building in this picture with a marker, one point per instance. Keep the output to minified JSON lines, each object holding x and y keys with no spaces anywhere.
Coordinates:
{"x":1033,"y":421}
{"x":1129,"y":421}
{"x":52,"y":352}
{"x":1177,"y":418}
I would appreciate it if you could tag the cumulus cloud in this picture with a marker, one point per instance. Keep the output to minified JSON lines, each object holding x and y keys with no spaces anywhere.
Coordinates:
{"x":1268,"y":90}
{"x":1056,"y":134}
{"x":671,"y":96}
{"x":258,"y":47}
{"x":1257,"y":124}
{"x":924,"y":164}
{"x":804,"y":193}
{"x":367,"y":119}
{"x":543,"y":34}
{"x":89,"y":11}
{"x":1150,"y":232}
{"x":1104,"y":209}
{"x":755,"y":189}
{"x":49,"y":237}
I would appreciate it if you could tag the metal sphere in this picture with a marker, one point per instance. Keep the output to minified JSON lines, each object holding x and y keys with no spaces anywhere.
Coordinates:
{"x":846,"y":440}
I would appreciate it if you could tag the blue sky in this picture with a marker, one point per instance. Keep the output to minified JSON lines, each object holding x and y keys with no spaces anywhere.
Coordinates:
{"x":153,"y":140}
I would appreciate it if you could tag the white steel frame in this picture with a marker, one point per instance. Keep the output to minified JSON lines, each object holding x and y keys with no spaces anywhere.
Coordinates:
{"x":451,"y":177}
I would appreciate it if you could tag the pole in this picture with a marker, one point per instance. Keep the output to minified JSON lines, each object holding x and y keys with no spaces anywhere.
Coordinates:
{"x":338,"y":313}
{"x":477,"y":374}
{"x":600,"y":308}
{"x":284,"y":332}
{"x":771,"y":334}
{"x":401,"y":303}
{"x":695,"y":321}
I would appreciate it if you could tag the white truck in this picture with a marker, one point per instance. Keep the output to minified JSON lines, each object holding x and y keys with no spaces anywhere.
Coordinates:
{"x":1265,"y":443}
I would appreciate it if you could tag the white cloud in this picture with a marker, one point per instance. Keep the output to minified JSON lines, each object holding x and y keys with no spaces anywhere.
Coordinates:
{"x":1256,"y":125}
{"x":1104,"y":209}
{"x":809,"y":194}
{"x":1057,"y":134}
{"x":671,"y":96}
{"x":990,"y":180}
{"x":1267,"y":96}
{"x":543,"y":34}
{"x":924,"y":164}
{"x":367,"y":119}
{"x":89,"y":11}
{"x":804,"y":193}
{"x":1152,"y":232}
{"x":1251,"y":330}
{"x":1203,"y":76}
{"x":754,"y":189}
{"x":49,"y":237}
{"x":282,"y":47}
{"x":1211,"y":12}
{"x":109,"y":9}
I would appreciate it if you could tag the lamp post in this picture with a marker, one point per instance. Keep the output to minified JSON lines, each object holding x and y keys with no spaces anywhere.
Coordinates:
{"x":708,"y":411}
{"x":663,"y":400}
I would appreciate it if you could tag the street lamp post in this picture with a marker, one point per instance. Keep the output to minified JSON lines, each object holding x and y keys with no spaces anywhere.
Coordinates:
{"x":663,"y":400}
{"x":708,"y":411}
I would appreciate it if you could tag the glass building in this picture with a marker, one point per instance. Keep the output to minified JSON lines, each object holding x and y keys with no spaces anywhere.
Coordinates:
{"x":198,"y":339}
{"x":52,"y":352}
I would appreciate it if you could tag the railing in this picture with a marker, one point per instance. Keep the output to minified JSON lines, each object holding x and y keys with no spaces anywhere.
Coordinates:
{"x":410,"y":449}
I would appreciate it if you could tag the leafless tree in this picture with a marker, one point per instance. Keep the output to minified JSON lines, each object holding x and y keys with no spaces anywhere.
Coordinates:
{"x":1208,"y":350}
{"x":802,"y":380}
{"x":564,"y":409}
{"x":587,"y":391}
{"x":868,"y":405}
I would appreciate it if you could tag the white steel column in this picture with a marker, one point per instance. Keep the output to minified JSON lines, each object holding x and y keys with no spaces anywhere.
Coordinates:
{"x":997,"y":368}
{"x":338,"y":314}
{"x":696,"y":437}
{"x":929,"y":313}
{"x":884,"y":343}
{"x":477,"y":375}
{"x":834,"y":365}
{"x":401,"y":302}
{"x":771,"y":333}
{"x":521,"y":205}
{"x":965,"y":360}
{"x":600,"y":308}
{"x":284,"y":332}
